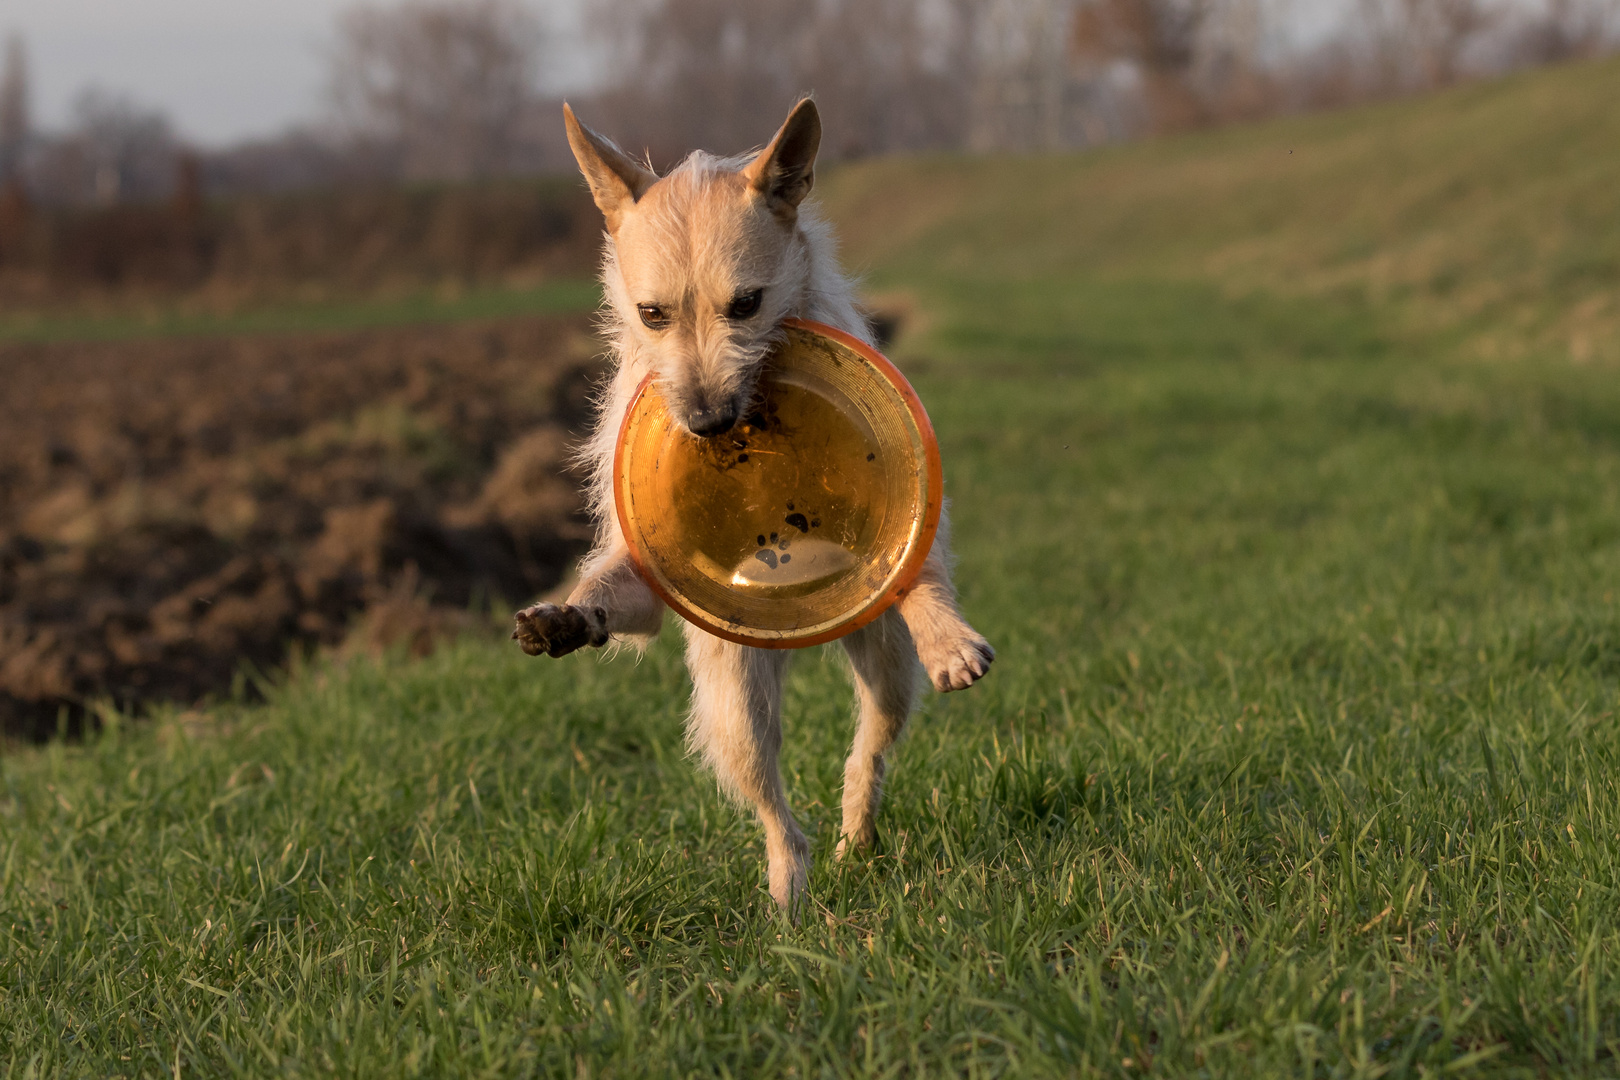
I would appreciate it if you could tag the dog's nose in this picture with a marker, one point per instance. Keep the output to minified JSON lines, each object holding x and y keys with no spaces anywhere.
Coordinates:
{"x":715,"y":420}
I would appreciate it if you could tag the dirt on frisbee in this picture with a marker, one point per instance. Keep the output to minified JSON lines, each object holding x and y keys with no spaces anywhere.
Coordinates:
{"x":177,"y":514}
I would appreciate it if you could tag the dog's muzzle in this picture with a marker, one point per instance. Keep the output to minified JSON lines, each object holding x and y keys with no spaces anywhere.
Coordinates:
{"x":714,"y":420}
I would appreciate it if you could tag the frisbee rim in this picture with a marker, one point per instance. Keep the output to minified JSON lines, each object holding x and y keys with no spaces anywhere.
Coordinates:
{"x":910,"y":568}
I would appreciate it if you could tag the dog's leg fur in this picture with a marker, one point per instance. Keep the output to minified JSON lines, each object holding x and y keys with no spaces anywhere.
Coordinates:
{"x":610,"y":599}
{"x":884,"y":664}
{"x":736,"y":725}
{"x":954,"y":655}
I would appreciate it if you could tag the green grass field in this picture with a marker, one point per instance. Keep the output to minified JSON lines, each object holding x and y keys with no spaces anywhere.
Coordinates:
{"x":1300,"y":757}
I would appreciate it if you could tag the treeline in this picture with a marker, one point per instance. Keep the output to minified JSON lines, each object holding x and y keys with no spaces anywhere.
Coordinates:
{"x":361,"y":239}
{"x":450,"y":89}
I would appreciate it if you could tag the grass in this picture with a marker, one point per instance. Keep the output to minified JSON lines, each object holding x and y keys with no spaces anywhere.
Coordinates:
{"x":1300,"y":757}
{"x":1487,"y":213}
{"x":338,"y":313}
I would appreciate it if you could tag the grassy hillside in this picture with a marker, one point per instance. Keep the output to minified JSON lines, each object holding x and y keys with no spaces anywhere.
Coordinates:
{"x":1300,"y":757}
{"x":1492,"y":212}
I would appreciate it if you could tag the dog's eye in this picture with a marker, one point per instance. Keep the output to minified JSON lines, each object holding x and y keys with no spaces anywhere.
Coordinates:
{"x":653,"y":316}
{"x":745,"y":305}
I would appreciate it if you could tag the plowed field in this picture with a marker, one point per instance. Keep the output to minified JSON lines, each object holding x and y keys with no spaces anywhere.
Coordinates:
{"x":176,"y":514}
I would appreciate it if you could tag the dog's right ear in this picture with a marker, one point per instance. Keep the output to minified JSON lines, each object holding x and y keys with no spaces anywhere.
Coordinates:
{"x":617,"y":180}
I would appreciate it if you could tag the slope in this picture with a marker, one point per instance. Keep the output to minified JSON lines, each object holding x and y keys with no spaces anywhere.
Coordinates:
{"x":1492,"y":211}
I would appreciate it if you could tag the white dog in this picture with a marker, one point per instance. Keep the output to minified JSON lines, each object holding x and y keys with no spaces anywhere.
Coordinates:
{"x":700,"y":267}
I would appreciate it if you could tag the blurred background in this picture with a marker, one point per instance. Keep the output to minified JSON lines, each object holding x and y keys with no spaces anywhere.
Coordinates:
{"x":294,"y":304}
{"x":119,"y":122}
{"x":105,"y":103}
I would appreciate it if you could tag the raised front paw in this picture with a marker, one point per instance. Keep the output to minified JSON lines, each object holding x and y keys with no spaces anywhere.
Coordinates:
{"x":957,"y":663}
{"x":558,"y":629}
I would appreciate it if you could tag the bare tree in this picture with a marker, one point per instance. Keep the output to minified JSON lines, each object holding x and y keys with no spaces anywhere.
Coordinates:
{"x":1159,"y":38}
{"x":702,"y":73}
{"x":1412,"y":45}
{"x":1566,"y":30}
{"x":719,"y":74}
{"x":14,"y":118}
{"x":447,"y":88}
{"x":891,"y":74}
{"x":117,"y":151}
{"x":1442,"y":32}
{"x":1021,"y":74}
{"x":447,"y":82}
{"x":1234,"y":72}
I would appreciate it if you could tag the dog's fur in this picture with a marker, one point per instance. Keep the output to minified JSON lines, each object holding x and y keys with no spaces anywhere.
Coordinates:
{"x":686,"y":251}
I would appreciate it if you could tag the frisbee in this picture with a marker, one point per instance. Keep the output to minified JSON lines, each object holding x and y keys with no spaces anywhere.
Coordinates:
{"x":802,"y":523}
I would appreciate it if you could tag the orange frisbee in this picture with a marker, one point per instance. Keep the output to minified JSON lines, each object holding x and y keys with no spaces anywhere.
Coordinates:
{"x":807,"y":519}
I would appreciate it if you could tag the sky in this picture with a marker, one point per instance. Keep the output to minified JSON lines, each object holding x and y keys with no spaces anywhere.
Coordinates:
{"x":223,"y":70}
{"x":229,"y":70}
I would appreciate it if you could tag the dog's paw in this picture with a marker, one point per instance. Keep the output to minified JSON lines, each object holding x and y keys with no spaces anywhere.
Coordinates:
{"x":788,"y":868}
{"x":863,"y":841}
{"x":958,"y":663}
{"x":558,"y":629}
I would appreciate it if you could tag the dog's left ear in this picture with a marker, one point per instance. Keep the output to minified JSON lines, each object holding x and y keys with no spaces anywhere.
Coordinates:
{"x":785,"y":171}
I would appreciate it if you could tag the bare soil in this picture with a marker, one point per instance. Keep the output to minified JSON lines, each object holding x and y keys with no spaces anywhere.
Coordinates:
{"x":177,"y":514}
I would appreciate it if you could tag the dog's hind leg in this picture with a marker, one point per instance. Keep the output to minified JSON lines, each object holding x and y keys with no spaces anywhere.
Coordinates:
{"x":736,"y":725}
{"x":884,"y":662}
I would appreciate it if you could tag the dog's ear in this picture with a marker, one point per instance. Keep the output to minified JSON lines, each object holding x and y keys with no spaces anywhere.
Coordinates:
{"x":617,"y":180}
{"x":785,"y":171}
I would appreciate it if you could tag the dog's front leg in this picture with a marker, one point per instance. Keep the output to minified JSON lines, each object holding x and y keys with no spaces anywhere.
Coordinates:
{"x":611,"y":598}
{"x":953,"y":653}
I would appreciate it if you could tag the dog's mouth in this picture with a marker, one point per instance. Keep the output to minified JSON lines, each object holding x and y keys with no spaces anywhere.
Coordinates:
{"x":706,"y":420}
{"x":707,"y":414}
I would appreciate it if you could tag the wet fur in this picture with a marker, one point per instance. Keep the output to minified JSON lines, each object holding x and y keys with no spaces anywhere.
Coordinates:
{"x":690,"y":242}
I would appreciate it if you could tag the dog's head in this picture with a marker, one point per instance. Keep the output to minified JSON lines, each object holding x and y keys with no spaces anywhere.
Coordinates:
{"x":707,"y":261}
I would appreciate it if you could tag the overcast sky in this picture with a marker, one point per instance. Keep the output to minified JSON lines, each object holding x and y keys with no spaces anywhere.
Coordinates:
{"x":223,"y":70}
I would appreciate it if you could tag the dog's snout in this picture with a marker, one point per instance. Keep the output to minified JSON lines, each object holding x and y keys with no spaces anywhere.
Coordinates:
{"x":713,"y":420}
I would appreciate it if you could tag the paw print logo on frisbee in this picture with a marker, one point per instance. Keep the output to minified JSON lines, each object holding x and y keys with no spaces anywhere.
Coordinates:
{"x":803,"y":522}
{"x":818,"y":559}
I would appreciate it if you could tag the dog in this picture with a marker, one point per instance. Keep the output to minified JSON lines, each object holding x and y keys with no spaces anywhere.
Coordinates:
{"x":700,"y":267}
